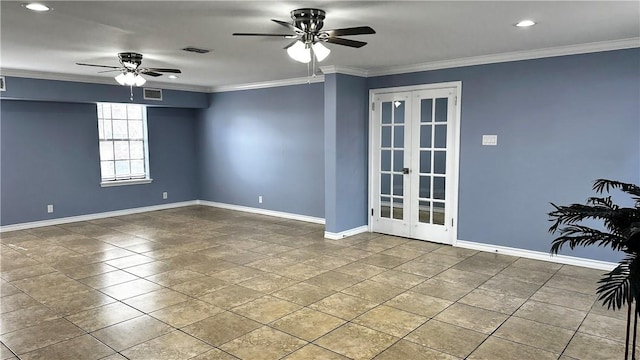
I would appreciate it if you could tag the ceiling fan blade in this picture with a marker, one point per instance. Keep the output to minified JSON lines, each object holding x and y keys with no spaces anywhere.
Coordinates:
{"x":360,"y":30}
{"x":164,"y":70}
{"x":103,"y":66}
{"x":291,"y":44}
{"x":346,"y":42}
{"x":287,"y":25}
{"x":150,"y":73}
{"x":257,"y":34}
{"x":108,"y":71}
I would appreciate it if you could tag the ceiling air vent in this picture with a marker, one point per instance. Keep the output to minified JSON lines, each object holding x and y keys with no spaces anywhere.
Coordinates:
{"x":152,"y":94}
{"x":196,"y":50}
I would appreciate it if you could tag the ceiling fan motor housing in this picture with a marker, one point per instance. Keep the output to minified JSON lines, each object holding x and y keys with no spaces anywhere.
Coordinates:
{"x":308,"y":20}
{"x":130,"y":60}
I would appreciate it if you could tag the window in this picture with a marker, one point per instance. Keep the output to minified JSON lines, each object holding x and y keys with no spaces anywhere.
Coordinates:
{"x":124,"y":156}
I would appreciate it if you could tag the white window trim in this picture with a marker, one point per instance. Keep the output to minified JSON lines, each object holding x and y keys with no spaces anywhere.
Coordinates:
{"x":136,"y":181}
{"x":112,"y":183}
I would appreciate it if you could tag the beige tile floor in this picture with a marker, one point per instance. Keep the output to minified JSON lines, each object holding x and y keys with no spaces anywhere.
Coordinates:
{"x":204,"y":283}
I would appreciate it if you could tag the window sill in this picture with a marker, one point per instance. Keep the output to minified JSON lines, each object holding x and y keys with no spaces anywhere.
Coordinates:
{"x":125,"y":182}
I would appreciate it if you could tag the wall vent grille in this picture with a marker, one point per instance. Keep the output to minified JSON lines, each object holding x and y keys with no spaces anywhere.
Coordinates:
{"x":152,"y":94}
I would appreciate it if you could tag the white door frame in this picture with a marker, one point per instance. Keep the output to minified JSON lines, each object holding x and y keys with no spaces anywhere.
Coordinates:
{"x":457,"y":87}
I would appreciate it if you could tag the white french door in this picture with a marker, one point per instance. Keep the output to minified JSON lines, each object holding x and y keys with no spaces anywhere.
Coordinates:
{"x":413,"y":169}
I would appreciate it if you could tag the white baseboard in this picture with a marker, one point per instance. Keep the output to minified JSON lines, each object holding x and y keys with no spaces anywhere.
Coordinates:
{"x":280,"y":214}
{"x":537,"y":255}
{"x":95,"y":216}
{"x":347,"y":233}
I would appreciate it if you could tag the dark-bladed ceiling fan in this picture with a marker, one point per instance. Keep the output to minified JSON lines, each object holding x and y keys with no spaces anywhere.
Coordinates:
{"x":308,"y":35}
{"x":130,"y":69}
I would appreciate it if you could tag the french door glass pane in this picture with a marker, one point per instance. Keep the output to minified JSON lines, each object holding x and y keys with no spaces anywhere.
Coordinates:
{"x":398,"y":211}
{"x":425,"y":110}
{"x":439,"y":162}
{"x":438,"y":187}
{"x":425,"y":136}
{"x":385,"y":207}
{"x":425,"y":187}
{"x":425,"y":162}
{"x":398,"y":112}
{"x":398,"y":185}
{"x":441,"y":109}
{"x":398,"y":160}
{"x":424,"y":212}
{"x":385,"y":160}
{"x":385,"y":184}
{"x":440,"y":138}
{"x":398,"y":136}
{"x":386,"y":137}
{"x":438,"y":213}
{"x":386,"y":112}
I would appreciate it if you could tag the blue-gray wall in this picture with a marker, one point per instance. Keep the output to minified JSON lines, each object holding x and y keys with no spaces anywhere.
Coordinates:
{"x":49,"y":155}
{"x":266,"y":142}
{"x":561,"y":122}
{"x":346,"y":134}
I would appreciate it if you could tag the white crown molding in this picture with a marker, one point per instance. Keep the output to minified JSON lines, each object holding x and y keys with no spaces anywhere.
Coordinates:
{"x":94,"y":79}
{"x":280,"y":214}
{"x":268,"y":84}
{"x":537,"y":255}
{"x":333,"y":69}
{"x":512,"y":56}
{"x":94,"y":216}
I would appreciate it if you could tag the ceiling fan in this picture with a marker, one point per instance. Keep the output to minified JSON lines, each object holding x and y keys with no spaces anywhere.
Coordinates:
{"x":130,"y":70}
{"x":308,"y":35}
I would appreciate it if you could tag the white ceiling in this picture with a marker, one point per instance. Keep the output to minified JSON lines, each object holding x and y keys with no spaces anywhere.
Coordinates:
{"x":408,"y":33}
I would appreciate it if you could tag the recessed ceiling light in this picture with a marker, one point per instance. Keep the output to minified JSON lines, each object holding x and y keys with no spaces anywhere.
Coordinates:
{"x":172,"y":77}
{"x":525,"y":23}
{"x":36,"y":7}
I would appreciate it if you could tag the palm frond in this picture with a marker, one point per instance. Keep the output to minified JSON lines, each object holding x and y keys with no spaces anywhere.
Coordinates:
{"x":574,"y":213}
{"x":602,"y":185}
{"x":579,"y":235}
{"x":621,"y":284}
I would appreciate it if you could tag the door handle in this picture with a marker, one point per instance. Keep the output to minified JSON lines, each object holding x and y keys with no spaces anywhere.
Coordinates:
{"x":405,"y":171}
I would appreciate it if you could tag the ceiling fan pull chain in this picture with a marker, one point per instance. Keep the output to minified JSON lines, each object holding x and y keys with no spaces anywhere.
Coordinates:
{"x":131,"y":92}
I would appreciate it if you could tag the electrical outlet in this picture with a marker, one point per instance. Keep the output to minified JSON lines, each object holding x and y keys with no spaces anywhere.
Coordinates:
{"x":49,"y":209}
{"x":260,"y":199}
{"x":165,"y":195}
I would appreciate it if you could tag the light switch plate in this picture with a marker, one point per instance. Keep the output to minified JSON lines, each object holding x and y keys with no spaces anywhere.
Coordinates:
{"x":490,"y":140}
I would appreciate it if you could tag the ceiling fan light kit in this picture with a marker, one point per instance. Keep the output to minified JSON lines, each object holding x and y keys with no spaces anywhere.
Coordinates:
{"x":309,"y":37}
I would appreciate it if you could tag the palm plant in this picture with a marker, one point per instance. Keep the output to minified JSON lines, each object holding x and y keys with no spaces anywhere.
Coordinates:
{"x":621,"y":232}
